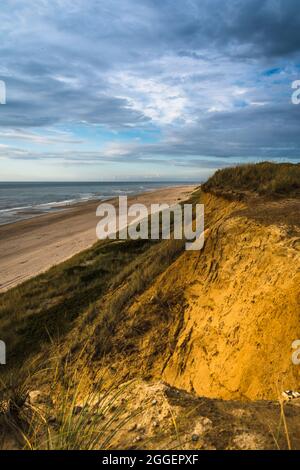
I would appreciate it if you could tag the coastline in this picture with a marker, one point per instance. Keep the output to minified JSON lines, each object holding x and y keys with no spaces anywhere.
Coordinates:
{"x":32,"y":246}
{"x":26,"y":200}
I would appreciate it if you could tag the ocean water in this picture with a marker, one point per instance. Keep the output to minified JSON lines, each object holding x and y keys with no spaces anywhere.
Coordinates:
{"x":20,"y":201}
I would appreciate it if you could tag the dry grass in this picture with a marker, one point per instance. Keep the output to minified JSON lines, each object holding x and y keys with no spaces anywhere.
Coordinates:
{"x":269,"y":179}
{"x":57,"y":311}
{"x":68,"y":416}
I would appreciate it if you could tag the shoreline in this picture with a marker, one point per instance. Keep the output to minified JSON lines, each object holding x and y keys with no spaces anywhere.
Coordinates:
{"x":32,"y":246}
{"x":26,"y":209}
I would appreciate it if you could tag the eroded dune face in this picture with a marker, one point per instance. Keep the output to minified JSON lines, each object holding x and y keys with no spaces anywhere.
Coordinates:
{"x":222,"y":322}
{"x":219,"y":323}
{"x":242,"y":315}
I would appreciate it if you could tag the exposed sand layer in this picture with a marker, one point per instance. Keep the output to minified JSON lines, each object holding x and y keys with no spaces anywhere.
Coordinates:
{"x":221,"y":322}
{"x":30,"y":247}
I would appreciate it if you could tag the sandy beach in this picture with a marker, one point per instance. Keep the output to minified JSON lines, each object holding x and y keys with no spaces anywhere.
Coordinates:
{"x":32,"y":246}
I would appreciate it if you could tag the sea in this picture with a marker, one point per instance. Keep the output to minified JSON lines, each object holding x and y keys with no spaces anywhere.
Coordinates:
{"x":19,"y":201}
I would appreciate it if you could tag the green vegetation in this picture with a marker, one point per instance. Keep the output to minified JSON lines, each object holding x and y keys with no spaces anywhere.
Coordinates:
{"x":96,"y":283}
{"x":72,"y":310}
{"x":61,"y":419}
{"x":43,"y":310}
{"x":63,"y":327}
{"x":269,"y":179}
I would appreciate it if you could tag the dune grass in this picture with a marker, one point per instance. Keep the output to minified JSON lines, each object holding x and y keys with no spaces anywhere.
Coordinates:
{"x":44,"y":309}
{"x":58,"y":311}
{"x":268,"y":179}
{"x":68,"y":415}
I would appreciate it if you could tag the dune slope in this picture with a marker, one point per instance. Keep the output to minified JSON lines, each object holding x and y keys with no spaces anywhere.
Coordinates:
{"x":220,"y":322}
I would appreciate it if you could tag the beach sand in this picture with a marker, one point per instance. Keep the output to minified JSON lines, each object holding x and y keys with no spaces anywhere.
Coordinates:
{"x":32,"y":246}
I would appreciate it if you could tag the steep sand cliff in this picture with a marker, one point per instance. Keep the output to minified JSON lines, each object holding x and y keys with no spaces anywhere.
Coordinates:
{"x":190,"y":328}
{"x":221,"y":322}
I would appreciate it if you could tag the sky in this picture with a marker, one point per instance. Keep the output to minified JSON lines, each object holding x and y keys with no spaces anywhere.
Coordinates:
{"x":120,"y":90}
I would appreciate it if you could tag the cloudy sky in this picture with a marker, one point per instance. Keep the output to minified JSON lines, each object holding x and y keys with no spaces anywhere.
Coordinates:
{"x":146,"y":89}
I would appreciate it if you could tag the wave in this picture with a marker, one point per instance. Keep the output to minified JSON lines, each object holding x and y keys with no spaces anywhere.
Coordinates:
{"x":31,"y":200}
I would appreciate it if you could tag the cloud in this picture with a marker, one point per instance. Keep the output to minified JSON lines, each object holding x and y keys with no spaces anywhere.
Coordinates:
{"x":211,"y":78}
{"x":21,"y":134}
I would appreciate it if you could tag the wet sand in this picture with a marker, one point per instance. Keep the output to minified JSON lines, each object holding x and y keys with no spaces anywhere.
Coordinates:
{"x":32,"y":246}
